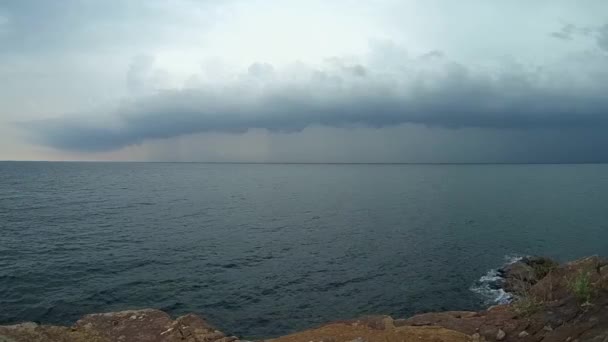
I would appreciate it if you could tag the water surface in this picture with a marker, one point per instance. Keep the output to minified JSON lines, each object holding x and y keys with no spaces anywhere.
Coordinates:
{"x":262,"y":250}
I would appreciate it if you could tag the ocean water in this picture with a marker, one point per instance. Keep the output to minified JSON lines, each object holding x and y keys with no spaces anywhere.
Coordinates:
{"x":262,"y":250}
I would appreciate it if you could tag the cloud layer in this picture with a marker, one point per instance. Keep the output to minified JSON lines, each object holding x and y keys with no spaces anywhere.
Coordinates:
{"x":310,"y":80}
{"x":427,"y":90}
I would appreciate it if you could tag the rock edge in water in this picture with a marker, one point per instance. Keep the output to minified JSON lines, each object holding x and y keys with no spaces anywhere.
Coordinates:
{"x":554,"y":302}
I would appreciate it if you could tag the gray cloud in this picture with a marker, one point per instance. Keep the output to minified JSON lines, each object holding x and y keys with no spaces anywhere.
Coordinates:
{"x":143,"y":78}
{"x":400,"y":143}
{"x":260,"y":70}
{"x":4,"y":23}
{"x":139,"y":72}
{"x":448,"y":81}
{"x":602,"y":37}
{"x":451,"y":96}
{"x":570,"y":32}
{"x":73,"y":25}
{"x":433,"y":54}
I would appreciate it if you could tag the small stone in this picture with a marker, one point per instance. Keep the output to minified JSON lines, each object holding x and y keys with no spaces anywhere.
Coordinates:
{"x":547,"y":328}
{"x":523,"y":334}
{"x":358,"y":339}
{"x":476,"y":337}
{"x":500,"y":335}
{"x":166,"y":331}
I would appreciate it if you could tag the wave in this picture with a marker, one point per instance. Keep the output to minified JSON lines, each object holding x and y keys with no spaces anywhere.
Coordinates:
{"x":490,"y":285}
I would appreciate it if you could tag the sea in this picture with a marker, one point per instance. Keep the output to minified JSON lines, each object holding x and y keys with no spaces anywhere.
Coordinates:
{"x":261,"y":250}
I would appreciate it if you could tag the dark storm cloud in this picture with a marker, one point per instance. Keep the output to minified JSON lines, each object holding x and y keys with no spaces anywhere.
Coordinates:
{"x":346,"y":96}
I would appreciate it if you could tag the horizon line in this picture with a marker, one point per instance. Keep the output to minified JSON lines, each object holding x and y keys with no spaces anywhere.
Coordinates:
{"x":302,"y":163}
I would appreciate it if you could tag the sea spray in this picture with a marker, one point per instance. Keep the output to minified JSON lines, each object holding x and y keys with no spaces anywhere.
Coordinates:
{"x":490,"y":285}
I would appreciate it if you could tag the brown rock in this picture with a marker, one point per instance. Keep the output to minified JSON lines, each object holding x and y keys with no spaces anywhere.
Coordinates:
{"x":500,"y":335}
{"x":30,"y":332}
{"x":523,"y":274}
{"x":128,"y":326}
{"x":341,"y":332}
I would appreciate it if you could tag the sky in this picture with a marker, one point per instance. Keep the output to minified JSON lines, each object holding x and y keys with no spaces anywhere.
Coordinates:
{"x":386,"y":81}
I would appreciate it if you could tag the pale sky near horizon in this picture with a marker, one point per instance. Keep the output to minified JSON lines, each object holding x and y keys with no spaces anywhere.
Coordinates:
{"x":304,"y":81}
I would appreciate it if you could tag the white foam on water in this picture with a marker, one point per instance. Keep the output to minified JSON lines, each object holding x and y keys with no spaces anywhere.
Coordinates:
{"x":491,"y":276}
{"x":511,"y":259}
{"x":489,"y":285}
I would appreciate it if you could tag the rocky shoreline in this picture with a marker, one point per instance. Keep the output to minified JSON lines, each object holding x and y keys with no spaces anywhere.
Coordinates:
{"x":550,"y":302}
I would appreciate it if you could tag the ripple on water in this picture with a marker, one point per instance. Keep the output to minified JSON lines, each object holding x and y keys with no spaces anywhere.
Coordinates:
{"x":263,"y":250}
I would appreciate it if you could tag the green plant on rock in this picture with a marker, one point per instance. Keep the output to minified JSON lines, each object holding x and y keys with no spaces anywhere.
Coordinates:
{"x":527,"y":305}
{"x":581,"y":287}
{"x":544,"y":268}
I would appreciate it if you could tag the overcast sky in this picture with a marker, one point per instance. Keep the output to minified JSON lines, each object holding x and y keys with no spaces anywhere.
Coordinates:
{"x":304,"y":81}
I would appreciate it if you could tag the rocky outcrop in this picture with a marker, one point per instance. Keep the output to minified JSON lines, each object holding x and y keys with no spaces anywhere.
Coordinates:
{"x":553,"y":303}
{"x":125,"y":326}
{"x":520,"y":276}
{"x":566,"y":303}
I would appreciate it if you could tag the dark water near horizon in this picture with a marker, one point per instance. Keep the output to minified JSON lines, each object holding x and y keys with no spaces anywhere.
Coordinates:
{"x":261,"y":250}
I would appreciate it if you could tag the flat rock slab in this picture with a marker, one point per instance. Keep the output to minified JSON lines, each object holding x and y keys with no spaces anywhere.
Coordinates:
{"x":124,"y":326}
{"x":375,"y":329}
